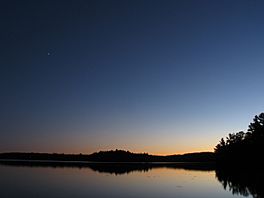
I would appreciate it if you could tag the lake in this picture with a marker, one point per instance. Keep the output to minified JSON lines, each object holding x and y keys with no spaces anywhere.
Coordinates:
{"x":115,"y":181}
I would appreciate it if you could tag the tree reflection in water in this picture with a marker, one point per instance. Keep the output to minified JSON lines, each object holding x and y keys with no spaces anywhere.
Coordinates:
{"x":242,"y":182}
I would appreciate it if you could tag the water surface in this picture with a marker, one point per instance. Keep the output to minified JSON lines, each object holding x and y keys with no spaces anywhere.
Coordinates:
{"x":112,"y":181}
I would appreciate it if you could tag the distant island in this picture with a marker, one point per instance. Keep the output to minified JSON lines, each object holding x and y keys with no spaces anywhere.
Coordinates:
{"x":111,"y":156}
{"x":237,"y":149}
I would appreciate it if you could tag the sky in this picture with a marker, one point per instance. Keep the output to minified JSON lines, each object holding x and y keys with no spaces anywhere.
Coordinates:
{"x":162,"y":77}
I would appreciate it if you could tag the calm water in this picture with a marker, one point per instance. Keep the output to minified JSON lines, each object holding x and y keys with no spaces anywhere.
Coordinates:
{"x":102,"y":182}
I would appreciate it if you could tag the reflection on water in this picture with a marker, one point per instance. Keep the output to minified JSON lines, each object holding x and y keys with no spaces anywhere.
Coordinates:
{"x":113,"y":168}
{"x":186,"y":180}
{"x":242,"y":181}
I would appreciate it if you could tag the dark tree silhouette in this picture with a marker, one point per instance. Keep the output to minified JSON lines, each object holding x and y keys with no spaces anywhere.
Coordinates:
{"x":110,"y":156}
{"x":243,"y":147}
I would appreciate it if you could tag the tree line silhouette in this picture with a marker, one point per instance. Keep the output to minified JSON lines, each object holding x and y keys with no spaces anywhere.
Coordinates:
{"x":109,"y":156}
{"x":243,"y":147}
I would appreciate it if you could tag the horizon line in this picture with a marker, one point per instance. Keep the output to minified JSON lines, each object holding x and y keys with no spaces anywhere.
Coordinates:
{"x":80,"y":153}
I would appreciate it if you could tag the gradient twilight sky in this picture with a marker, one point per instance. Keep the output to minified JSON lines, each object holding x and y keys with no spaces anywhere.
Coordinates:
{"x":162,"y":77}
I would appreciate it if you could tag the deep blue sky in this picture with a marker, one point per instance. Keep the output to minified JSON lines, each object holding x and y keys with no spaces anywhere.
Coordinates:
{"x":148,"y":76}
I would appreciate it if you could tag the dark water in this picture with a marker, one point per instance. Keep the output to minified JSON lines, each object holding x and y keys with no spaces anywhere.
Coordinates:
{"x":119,"y":180}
